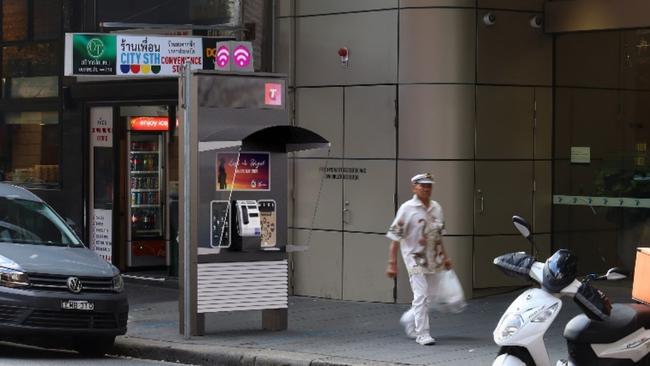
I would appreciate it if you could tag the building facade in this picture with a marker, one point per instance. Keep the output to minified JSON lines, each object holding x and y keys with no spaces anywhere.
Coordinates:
{"x":522,"y":107}
{"x":429,"y":86}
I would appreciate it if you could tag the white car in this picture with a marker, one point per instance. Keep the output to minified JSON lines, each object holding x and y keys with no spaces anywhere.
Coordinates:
{"x":51,"y":285}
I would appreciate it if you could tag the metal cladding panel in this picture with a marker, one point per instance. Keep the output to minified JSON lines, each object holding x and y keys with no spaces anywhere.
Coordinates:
{"x":318,"y":268}
{"x":320,"y":110}
{"x":283,"y":8}
{"x":284,"y":51}
{"x":234,"y":286}
{"x":512,"y":52}
{"x":543,"y":123}
{"x":432,"y":3}
{"x":317,"y":199}
{"x":596,"y":15}
{"x":437,"y":45}
{"x":436,"y":121}
{"x":504,"y":113}
{"x":497,"y":202}
{"x":369,"y":188}
{"x":543,"y":196}
{"x":363,"y":268}
{"x":315,"y":7}
{"x":370,"y":37}
{"x":533,"y":5}
{"x":370,"y":122}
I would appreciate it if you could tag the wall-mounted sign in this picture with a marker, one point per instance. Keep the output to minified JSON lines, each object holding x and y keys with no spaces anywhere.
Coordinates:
{"x":92,"y":54}
{"x":349,"y":173}
{"x":101,"y":127}
{"x":101,"y":233}
{"x":581,"y":154}
{"x":149,"y":124}
{"x":273,"y":94}
{"x":251,"y":171}
{"x":147,"y":55}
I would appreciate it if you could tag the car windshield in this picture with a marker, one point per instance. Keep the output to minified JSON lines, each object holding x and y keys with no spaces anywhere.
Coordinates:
{"x":29,"y":222}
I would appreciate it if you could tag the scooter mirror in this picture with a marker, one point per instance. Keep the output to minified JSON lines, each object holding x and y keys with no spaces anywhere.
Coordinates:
{"x":616,"y":273}
{"x":522,"y":226}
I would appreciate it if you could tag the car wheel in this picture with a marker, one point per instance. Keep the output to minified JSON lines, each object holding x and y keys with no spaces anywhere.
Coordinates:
{"x":95,"y":346}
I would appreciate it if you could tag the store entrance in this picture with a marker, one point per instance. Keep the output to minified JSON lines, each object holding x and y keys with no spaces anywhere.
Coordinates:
{"x":133,"y":187}
{"x":147,"y":189}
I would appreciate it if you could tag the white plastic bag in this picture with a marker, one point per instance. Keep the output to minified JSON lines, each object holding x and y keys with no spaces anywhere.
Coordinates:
{"x":449,"y":297}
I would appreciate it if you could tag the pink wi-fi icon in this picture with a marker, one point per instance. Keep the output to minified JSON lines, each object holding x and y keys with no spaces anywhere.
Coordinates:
{"x":223,"y":56}
{"x":242,"y":56}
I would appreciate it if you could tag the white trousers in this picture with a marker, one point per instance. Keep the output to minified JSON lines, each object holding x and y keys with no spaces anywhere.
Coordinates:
{"x":424,"y":288}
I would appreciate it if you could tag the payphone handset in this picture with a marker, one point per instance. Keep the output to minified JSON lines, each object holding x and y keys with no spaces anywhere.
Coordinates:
{"x":248,"y":218}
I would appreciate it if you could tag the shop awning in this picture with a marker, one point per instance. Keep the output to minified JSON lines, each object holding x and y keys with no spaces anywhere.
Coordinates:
{"x":283,"y":138}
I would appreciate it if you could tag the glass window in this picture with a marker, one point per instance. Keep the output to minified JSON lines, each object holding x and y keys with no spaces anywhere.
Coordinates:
{"x":47,"y":19}
{"x":35,"y":59}
{"x":33,"y":87}
{"x":29,"y":148}
{"x":29,"y":222}
{"x":601,"y":158}
{"x":14,"y":20}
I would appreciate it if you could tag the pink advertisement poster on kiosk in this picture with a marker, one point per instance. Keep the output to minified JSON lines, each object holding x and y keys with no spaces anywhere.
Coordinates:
{"x":253,"y":172}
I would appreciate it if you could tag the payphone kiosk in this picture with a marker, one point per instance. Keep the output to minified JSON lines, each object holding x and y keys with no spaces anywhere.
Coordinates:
{"x":240,"y":136}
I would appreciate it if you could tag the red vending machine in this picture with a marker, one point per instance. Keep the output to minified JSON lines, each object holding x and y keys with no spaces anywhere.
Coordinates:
{"x":147,"y":236}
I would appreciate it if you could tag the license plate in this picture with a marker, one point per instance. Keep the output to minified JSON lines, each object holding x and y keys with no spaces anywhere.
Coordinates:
{"x":77,"y":305}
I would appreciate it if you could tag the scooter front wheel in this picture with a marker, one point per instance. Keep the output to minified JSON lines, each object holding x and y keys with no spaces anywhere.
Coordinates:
{"x":506,"y":359}
{"x":513,"y":356}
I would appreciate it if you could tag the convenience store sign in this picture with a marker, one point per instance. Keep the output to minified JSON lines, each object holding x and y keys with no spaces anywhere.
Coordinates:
{"x":136,"y":55}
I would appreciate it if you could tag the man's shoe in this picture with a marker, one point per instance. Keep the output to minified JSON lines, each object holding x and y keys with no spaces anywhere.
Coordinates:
{"x":408,"y":323}
{"x":425,"y":340}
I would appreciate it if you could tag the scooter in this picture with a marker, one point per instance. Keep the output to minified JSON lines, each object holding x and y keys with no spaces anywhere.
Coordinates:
{"x":603,"y":335}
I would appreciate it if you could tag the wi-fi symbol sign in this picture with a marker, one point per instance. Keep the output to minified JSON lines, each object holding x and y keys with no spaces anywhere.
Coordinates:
{"x":223,"y":56}
{"x":242,"y":56}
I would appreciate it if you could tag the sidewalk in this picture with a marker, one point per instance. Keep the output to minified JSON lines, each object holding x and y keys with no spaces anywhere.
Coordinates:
{"x":325,"y":332}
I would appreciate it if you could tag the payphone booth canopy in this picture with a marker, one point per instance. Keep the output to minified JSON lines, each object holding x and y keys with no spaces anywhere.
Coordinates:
{"x":283,"y":138}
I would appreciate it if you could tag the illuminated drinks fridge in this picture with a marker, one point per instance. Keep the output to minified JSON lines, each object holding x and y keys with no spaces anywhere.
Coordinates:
{"x":146,"y":237}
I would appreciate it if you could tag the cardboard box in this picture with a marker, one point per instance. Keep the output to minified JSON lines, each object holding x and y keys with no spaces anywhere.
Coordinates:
{"x":641,"y":283}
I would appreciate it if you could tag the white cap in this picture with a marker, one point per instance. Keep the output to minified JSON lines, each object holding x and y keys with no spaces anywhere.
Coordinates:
{"x":423,"y":178}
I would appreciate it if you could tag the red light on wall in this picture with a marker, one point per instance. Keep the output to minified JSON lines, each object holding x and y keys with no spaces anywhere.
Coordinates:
{"x":149,"y":124}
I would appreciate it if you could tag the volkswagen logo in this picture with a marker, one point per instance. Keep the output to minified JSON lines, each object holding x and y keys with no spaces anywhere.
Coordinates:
{"x":74,"y":285}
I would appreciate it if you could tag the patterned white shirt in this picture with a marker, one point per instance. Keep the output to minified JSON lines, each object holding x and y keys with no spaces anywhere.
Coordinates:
{"x":419,"y":230}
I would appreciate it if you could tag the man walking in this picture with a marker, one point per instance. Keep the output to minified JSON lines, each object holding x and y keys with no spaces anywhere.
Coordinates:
{"x":417,"y":229}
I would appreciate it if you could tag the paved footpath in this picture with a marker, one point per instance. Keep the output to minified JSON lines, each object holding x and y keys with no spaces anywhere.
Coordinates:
{"x":326,"y":332}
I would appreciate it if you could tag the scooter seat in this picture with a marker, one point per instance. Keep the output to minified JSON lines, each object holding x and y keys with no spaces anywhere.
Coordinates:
{"x":623,"y":320}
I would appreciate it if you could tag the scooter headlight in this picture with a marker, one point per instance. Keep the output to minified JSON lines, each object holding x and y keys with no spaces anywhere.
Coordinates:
{"x":546,"y":313}
{"x":510,"y":325}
